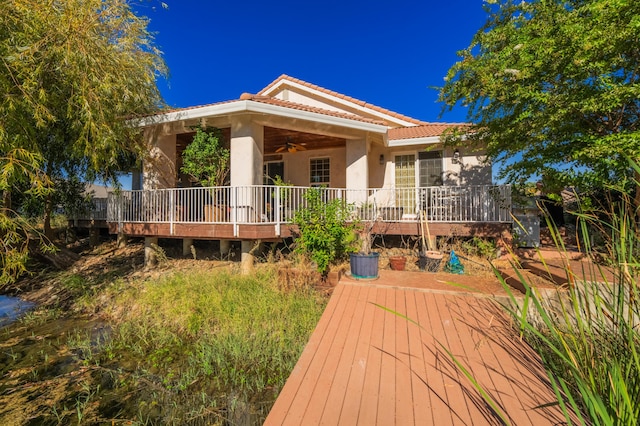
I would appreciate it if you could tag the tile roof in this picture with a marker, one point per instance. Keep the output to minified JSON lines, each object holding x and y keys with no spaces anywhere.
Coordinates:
{"x":423,"y":131}
{"x":342,"y":96}
{"x":301,"y":107}
{"x":420,"y":130}
{"x":281,"y":103}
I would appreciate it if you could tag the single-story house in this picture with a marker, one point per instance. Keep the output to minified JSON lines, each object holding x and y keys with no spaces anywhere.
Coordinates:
{"x":391,"y":168}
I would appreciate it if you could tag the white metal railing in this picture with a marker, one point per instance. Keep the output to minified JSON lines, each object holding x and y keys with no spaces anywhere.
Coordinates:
{"x":96,"y":211}
{"x":269,"y":204}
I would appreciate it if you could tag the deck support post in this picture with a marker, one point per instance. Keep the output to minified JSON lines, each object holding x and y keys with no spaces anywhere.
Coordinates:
{"x":150,"y":258}
{"x":122,"y":240}
{"x":225,"y":248}
{"x":94,"y":236}
{"x":247,"y":259}
{"x":186,"y":246}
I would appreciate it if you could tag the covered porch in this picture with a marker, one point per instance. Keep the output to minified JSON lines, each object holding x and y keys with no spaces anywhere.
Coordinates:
{"x":266,"y":212}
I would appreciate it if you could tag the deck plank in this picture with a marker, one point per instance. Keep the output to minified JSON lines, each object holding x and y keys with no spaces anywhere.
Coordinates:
{"x":365,"y":365}
{"x":321,"y":376}
{"x":344,"y":360}
{"x":421,"y":396}
{"x":369,"y":400}
{"x":387,"y":392}
{"x":404,"y":392}
{"x":353,"y":394}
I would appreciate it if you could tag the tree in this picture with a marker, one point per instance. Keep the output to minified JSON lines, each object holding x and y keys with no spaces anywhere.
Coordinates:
{"x":206,"y":159}
{"x":72,"y":75}
{"x":552,"y":87}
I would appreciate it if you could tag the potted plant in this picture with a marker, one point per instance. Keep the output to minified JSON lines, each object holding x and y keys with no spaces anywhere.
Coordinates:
{"x":364,"y":264}
{"x":397,"y":262}
{"x":206,"y":160}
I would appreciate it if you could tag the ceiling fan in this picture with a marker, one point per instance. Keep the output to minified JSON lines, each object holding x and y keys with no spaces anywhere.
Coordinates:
{"x":291,"y":147}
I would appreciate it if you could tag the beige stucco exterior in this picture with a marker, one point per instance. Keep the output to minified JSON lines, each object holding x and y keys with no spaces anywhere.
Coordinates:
{"x":365,"y":160}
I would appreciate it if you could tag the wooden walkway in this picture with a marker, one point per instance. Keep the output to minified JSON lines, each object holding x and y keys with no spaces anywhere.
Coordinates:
{"x":364,"y":365}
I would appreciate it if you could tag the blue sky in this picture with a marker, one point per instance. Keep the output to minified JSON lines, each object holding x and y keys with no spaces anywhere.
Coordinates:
{"x":387,"y":53}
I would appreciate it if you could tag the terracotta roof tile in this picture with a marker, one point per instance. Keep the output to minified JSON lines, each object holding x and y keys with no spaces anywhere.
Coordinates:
{"x":278,"y":102}
{"x":342,"y":96}
{"x":302,"y":107}
{"x":424,"y":131}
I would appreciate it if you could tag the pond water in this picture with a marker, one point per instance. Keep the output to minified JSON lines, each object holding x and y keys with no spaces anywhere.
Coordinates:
{"x":11,"y":308}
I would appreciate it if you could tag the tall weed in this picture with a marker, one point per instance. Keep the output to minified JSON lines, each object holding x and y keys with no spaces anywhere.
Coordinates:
{"x":226,"y":336}
{"x":588,"y":334}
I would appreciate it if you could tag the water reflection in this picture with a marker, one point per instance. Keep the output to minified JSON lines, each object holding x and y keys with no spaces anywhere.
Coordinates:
{"x":11,"y":308}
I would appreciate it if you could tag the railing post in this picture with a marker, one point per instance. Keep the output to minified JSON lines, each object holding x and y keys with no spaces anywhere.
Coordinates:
{"x":172,"y":209}
{"x":119,"y":211}
{"x":234,"y":209}
{"x":278,"y":210}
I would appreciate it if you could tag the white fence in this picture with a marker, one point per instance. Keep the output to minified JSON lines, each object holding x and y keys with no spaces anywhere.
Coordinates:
{"x":277,"y":204}
{"x":96,"y":211}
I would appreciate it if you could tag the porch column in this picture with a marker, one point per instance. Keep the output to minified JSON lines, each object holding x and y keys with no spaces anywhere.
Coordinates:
{"x":159,"y":169}
{"x":357,"y":170}
{"x":247,"y":152}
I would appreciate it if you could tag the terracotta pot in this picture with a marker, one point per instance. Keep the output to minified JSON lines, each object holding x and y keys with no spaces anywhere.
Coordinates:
{"x":397,"y":263}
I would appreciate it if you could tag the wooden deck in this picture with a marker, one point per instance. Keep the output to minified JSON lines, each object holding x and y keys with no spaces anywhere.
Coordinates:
{"x":271,"y":232}
{"x":365,"y":365}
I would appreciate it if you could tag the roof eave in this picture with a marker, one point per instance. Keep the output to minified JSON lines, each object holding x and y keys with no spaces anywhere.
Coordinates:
{"x":414,"y":141}
{"x":249,"y":106}
{"x":270,"y":90}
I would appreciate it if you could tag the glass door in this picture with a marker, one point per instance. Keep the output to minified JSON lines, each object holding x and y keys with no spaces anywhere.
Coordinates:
{"x":405,"y":181}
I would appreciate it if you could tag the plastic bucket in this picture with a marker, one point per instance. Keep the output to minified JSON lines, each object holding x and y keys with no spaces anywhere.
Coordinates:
{"x":364,"y":266}
{"x":430,"y":261}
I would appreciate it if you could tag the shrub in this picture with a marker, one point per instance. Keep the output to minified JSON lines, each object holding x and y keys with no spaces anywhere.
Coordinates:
{"x":326,"y":231}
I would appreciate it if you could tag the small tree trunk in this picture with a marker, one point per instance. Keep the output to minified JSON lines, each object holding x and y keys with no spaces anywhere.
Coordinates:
{"x":636,"y":198}
{"x":6,"y":202}
{"x":48,"y":208}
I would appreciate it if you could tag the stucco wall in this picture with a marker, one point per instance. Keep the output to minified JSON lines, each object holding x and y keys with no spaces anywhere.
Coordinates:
{"x":159,"y":167}
{"x":296,"y":166}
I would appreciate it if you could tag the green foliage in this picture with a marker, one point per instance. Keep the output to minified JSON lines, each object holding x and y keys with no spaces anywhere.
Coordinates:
{"x":72,"y":75}
{"x":223,"y":333}
{"x":587,"y":335}
{"x":553,"y":89}
{"x":480,"y":247}
{"x":206,"y":159}
{"x":326,"y":230}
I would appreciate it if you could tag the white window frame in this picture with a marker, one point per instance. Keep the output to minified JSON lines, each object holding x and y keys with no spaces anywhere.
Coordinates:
{"x":316,"y":184}
{"x":442,"y":163}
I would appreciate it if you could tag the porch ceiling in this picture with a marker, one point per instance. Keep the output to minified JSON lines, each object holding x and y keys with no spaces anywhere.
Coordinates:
{"x":275,"y":138}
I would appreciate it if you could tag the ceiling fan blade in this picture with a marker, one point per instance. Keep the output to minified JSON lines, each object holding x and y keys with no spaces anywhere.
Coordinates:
{"x":298,"y":146}
{"x":282,"y":148}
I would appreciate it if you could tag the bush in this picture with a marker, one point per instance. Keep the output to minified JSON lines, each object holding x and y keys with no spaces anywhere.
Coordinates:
{"x":326,"y":231}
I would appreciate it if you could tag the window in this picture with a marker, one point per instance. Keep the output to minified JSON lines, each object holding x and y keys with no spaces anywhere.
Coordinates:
{"x":319,"y":172}
{"x":405,"y":194}
{"x":270,"y":170}
{"x":405,"y":171}
{"x":430,"y":166}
